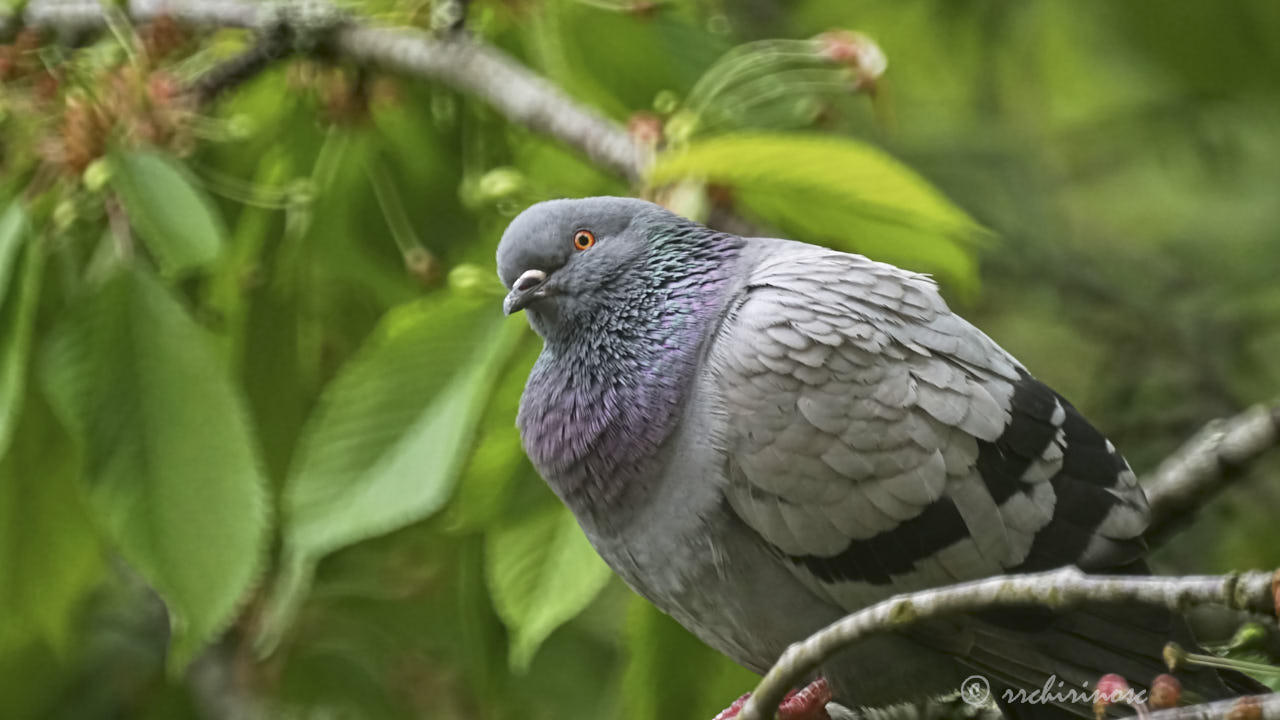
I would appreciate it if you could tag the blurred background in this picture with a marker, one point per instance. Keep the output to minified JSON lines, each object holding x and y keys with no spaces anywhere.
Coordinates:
{"x":257,"y":393}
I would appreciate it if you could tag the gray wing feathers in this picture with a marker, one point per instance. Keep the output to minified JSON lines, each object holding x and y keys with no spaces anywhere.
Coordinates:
{"x":857,"y":402}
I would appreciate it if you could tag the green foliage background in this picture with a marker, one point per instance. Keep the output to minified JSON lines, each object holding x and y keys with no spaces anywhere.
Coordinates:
{"x":257,"y":393}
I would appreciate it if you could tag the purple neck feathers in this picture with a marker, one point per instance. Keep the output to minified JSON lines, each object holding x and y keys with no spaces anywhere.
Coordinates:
{"x":606,"y":394}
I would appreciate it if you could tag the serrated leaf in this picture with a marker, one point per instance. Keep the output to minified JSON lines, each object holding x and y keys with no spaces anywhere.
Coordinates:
{"x":50,"y":557}
{"x":391,"y":434}
{"x":17,"y":325}
{"x":172,"y":472}
{"x":176,"y":220}
{"x":542,"y":572}
{"x":835,"y":189}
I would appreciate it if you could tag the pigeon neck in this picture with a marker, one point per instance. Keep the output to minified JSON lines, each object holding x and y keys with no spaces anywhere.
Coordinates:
{"x":605,"y":395}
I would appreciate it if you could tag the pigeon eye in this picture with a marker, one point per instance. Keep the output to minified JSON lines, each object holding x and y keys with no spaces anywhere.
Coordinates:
{"x":584,"y":239}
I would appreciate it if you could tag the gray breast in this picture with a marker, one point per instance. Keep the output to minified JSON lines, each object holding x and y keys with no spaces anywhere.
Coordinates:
{"x":681,"y":547}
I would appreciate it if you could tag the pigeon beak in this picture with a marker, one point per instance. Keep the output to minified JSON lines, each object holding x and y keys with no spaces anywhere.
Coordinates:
{"x":526,"y":289}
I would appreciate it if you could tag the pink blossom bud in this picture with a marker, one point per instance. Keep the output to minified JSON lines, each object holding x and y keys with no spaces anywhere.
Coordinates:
{"x":1166,"y":691}
{"x":1111,"y":688}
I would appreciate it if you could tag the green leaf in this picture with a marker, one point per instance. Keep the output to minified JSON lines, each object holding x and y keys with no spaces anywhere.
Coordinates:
{"x":17,"y":325}
{"x":833,"y":166}
{"x":845,"y":228}
{"x":14,"y":230}
{"x":835,"y":189}
{"x":542,"y":572}
{"x":391,"y":434}
{"x":172,"y":472}
{"x":50,"y":556}
{"x":176,"y":220}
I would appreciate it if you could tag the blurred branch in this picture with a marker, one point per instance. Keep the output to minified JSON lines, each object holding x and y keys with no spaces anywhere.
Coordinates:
{"x":271,"y":46}
{"x":80,"y":16}
{"x":454,"y":59}
{"x":1208,"y":462}
{"x":1251,"y":591}
{"x":482,"y":70}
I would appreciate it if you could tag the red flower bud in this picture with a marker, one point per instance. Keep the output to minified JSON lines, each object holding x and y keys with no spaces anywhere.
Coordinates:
{"x":1111,"y":689}
{"x":1166,"y":691}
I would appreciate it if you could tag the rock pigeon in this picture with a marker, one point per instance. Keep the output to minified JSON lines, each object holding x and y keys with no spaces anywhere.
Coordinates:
{"x":761,"y":435}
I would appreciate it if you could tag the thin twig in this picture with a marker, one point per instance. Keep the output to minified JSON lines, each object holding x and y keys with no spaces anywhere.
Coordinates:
{"x":1252,"y":591}
{"x":1207,"y":463}
{"x":523,"y":97}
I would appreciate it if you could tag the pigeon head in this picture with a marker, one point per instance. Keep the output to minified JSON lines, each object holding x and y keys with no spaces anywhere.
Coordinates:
{"x":564,"y":260}
{"x":624,"y":294}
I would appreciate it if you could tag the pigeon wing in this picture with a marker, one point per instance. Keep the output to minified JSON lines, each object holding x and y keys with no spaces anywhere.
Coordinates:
{"x":881,"y":444}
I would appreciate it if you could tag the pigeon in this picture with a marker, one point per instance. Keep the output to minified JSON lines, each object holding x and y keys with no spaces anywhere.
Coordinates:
{"x":761,"y":436}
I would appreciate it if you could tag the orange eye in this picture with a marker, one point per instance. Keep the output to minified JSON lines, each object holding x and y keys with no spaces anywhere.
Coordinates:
{"x":584,"y":239}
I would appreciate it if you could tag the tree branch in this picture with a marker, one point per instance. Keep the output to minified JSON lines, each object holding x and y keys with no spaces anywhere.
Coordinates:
{"x":1058,"y":589}
{"x":1207,"y":463}
{"x":76,"y":16}
{"x":482,"y":70}
{"x":453,"y":59}
{"x":271,"y":46}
